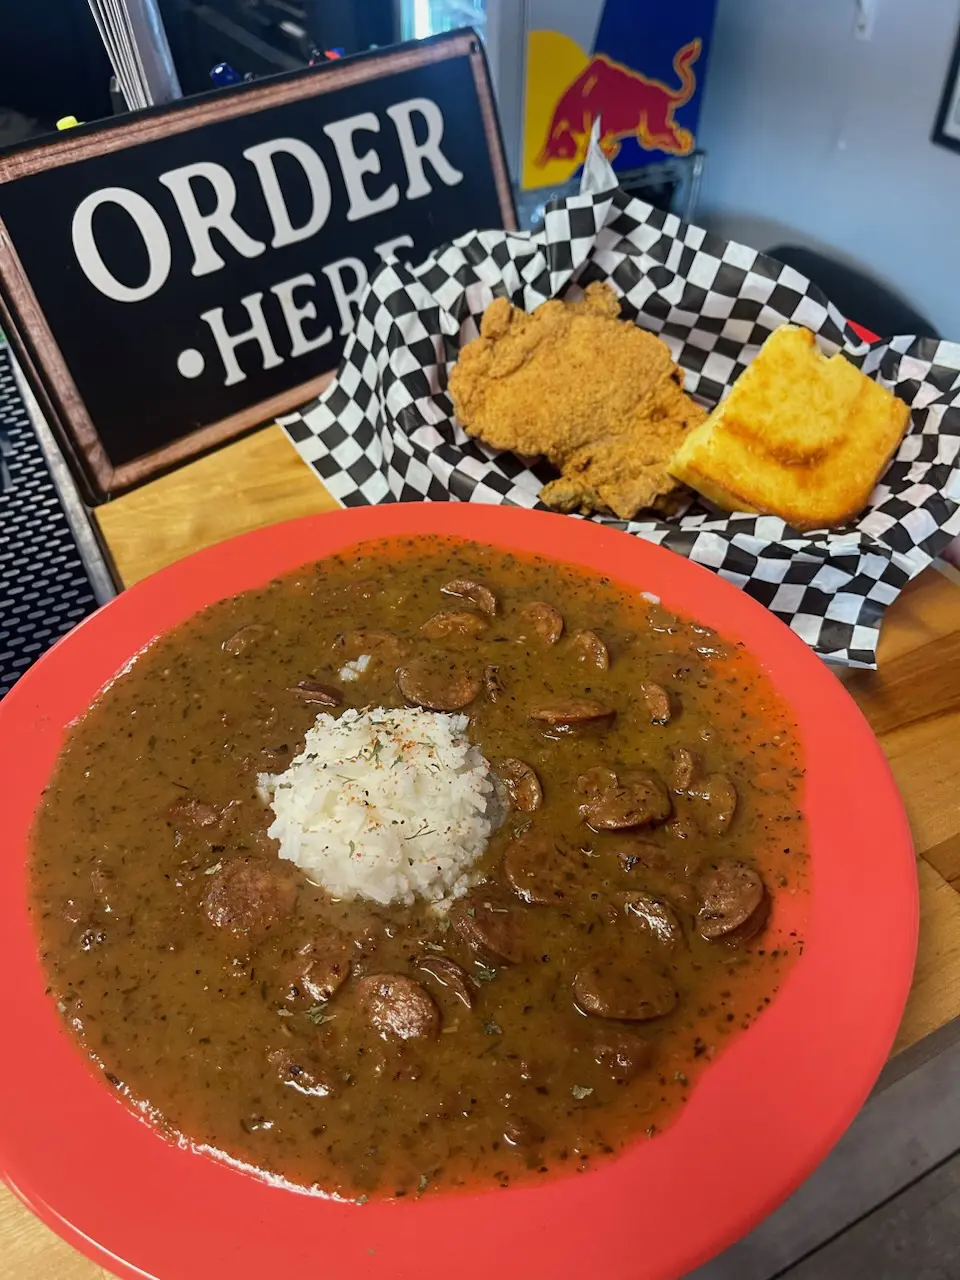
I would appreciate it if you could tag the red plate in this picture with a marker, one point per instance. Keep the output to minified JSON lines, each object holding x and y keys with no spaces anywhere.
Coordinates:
{"x":762,"y":1117}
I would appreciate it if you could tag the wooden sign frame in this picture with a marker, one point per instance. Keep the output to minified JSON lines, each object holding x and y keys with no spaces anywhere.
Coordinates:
{"x":22,"y":317}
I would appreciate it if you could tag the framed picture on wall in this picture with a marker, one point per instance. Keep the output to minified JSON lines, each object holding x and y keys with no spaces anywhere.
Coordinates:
{"x":946,"y":131}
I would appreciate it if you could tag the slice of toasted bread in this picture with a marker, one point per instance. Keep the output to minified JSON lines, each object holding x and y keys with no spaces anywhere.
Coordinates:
{"x":800,"y":436}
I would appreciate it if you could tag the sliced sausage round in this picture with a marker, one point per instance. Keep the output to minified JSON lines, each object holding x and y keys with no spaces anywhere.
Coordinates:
{"x":457,"y":625}
{"x":521,"y":783}
{"x":590,"y":650}
{"x":539,"y":870}
{"x":622,"y":1053}
{"x":244,"y":639}
{"x":637,"y":798}
{"x":318,"y":971}
{"x":437,"y":684}
{"x":249,"y":897}
{"x":491,"y":923}
{"x":397,"y":1007}
{"x":595,"y":780}
{"x":634,"y":994}
{"x":572,"y":717}
{"x":717,"y":803}
{"x":316,"y":694}
{"x":733,"y":900}
{"x":655,"y":916}
{"x":543,"y":620}
{"x":686,"y":769}
{"x":492,"y":684}
{"x":449,"y":974}
{"x":478,"y":595}
{"x":657,"y":700}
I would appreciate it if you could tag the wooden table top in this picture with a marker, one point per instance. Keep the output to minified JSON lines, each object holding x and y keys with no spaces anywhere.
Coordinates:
{"x":912,"y":702}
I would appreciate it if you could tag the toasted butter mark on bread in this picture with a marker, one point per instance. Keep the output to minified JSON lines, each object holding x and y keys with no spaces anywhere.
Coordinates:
{"x":799,"y":436}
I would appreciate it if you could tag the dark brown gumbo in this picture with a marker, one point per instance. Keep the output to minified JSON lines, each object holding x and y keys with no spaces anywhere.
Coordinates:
{"x":613,"y":934}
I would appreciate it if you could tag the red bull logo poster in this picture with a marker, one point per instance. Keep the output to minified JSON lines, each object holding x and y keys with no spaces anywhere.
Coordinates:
{"x":636,"y":65}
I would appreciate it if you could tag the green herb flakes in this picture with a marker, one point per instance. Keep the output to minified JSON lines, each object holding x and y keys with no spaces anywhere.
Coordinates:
{"x":424,"y":830}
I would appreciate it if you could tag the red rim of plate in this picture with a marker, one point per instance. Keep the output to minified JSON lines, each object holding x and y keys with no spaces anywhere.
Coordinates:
{"x":760,"y":1120}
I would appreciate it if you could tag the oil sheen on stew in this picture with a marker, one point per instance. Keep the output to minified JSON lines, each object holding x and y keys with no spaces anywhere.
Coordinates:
{"x":623,"y":927}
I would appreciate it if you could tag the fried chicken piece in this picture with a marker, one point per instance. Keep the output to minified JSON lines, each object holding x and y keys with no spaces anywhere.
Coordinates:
{"x":597,"y":397}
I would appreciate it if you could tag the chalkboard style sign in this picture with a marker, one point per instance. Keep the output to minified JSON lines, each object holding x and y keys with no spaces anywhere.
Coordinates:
{"x":178,"y":278}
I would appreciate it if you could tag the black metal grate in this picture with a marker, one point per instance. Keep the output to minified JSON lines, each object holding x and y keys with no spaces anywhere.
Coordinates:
{"x":44,"y":588}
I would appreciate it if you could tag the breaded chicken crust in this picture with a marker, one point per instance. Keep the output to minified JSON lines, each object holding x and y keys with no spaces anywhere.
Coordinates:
{"x":599,"y":398}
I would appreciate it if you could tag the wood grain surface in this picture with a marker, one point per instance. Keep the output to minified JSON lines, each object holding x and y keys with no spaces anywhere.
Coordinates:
{"x":912,"y":702}
{"x":256,"y":481}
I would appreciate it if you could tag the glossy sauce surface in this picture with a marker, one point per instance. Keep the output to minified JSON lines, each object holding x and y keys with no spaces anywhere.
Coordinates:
{"x":617,"y":938}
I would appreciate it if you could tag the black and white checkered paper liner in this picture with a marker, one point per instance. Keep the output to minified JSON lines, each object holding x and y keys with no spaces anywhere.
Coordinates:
{"x":385,"y":430}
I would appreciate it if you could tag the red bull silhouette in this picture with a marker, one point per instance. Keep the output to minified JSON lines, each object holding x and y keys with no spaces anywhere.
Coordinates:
{"x":628,"y":103}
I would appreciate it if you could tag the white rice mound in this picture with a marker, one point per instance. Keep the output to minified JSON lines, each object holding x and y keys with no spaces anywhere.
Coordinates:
{"x":385,"y":805}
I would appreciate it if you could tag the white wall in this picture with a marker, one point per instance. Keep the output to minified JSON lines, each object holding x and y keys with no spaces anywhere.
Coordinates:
{"x":818,"y":138}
